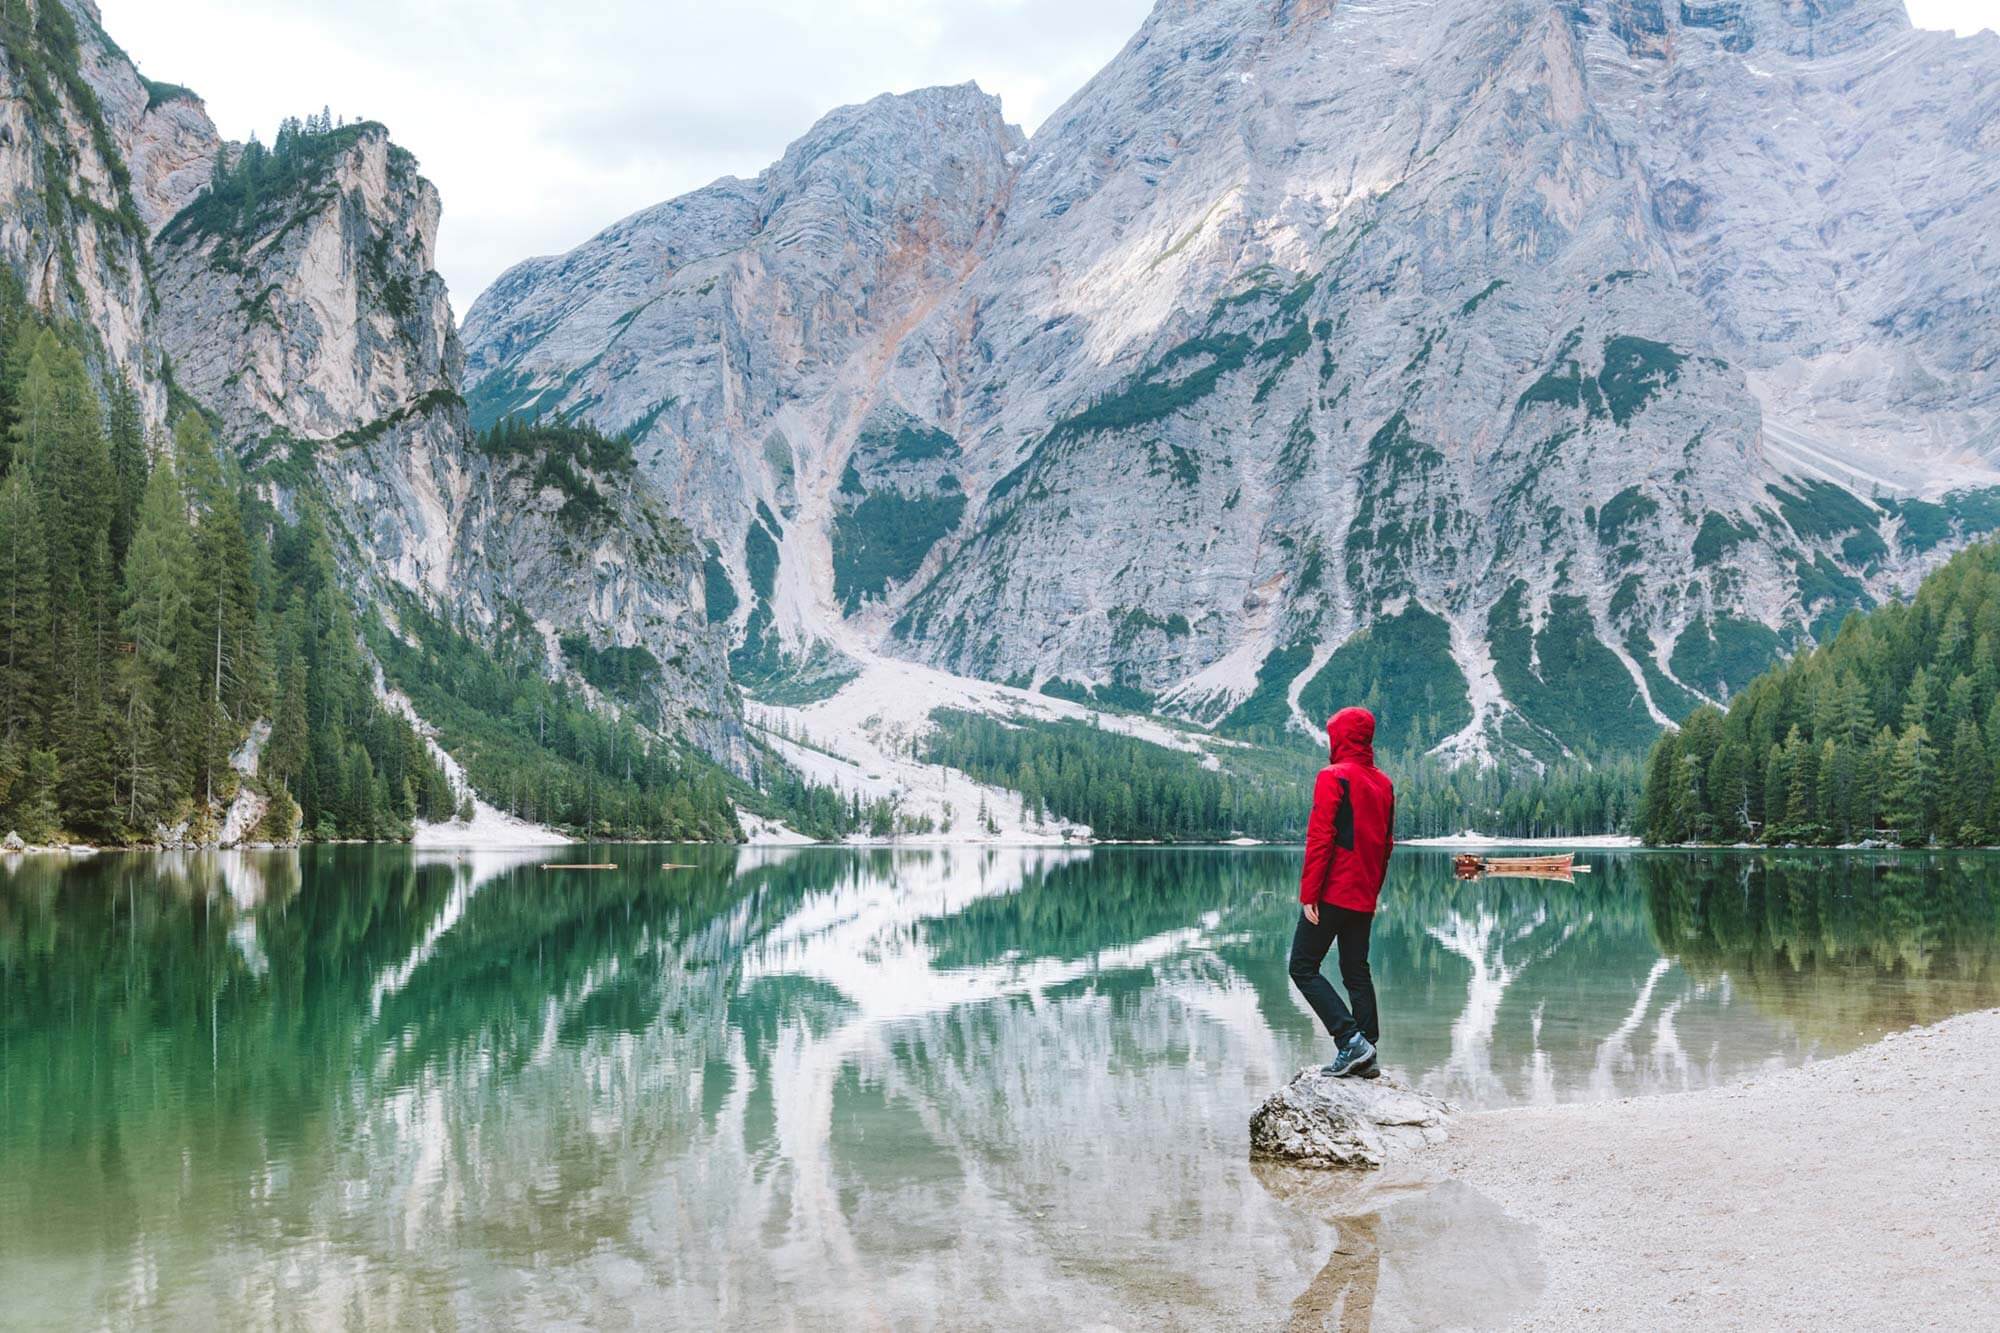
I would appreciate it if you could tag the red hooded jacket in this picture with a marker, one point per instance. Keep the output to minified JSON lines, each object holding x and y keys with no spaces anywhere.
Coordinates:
{"x":1353,"y":824}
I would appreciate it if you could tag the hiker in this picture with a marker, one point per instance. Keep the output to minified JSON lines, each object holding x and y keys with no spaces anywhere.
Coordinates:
{"x":1348,"y":840}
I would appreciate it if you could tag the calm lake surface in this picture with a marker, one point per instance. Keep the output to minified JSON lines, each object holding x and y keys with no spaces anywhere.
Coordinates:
{"x":823,"y":1087}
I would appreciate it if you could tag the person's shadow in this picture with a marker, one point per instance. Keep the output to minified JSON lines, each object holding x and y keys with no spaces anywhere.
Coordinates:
{"x":1348,"y":1280}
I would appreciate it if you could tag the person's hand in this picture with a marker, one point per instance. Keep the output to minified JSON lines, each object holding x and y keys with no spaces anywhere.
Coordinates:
{"x":1312,"y":913}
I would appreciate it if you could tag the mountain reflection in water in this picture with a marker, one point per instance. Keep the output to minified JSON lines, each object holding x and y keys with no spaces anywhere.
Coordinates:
{"x":829,"y":1086}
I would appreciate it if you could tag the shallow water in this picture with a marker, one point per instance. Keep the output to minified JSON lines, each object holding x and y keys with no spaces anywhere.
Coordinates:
{"x":831,"y":1088}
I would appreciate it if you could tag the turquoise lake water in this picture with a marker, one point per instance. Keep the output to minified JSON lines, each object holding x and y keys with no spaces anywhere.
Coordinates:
{"x":817,"y":1087}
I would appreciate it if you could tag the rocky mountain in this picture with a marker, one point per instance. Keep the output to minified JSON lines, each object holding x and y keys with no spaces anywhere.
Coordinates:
{"x":746,"y":338}
{"x":289,"y":294}
{"x":312,"y":322}
{"x":1534,"y":370}
{"x":93,"y":159}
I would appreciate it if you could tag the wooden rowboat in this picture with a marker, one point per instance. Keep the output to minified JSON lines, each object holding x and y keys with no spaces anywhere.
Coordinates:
{"x":1559,"y":866}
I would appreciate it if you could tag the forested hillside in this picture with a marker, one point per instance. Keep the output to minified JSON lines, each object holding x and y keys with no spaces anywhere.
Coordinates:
{"x":534,"y":748}
{"x":151,"y":611}
{"x":1891,"y":731}
{"x":1127,"y":788}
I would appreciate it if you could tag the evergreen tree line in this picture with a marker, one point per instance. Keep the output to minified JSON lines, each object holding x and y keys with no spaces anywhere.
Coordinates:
{"x":149,"y":613}
{"x":828,"y":814}
{"x":1120,"y":786}
{"x":1890,"y":732}
{"x":565,"y":455}
{"x":242,"y":182}
{"x":1435,"y":797}
{"x":536,"y":749}
{"x":1128,"y":788}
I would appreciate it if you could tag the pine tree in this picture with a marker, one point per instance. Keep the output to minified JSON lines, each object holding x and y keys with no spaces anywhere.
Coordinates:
{"x":1968,"y":788}
{"x":1729,"y":792}
{"x":1777,"y":792}
{"x":26,"y":679}
{"x":225,"y":602}
{"x":126,"y":430}
{"x":1660,"y":815}
{"x":1911,"y":795}
{"x":70,"y":469}
{"x":1690,"y":807}
{"x":161,"y":689}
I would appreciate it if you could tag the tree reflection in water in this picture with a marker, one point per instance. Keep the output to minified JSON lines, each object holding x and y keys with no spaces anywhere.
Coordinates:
{"x":409,"y":1087}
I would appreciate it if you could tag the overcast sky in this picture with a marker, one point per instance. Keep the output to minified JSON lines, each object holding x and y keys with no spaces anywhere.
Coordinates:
{"x":544,"y":122}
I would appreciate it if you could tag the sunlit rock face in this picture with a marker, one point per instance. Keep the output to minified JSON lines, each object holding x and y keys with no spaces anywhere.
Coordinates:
{"x":749,"y":334}
{"x":348,"y":362}
{"x":90,"y":167}
{"x":1587,"y":356}
{"x":315,"y":333}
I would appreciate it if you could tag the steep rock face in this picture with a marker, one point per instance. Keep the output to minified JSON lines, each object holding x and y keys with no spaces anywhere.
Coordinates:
{"x":1422,"y":310}
{"x":1532,"y":370}
{"x":314,"y":325}
{"x":89,"y":165}
{"x":162,"y":131}
{"x":742,"y":334}
{"x":307,"y":319}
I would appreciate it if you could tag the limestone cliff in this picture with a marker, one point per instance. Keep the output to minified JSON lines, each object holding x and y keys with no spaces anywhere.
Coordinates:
{"x":312,"y":321}
{"x":1533,"y":370}
{"x":298,"y":306}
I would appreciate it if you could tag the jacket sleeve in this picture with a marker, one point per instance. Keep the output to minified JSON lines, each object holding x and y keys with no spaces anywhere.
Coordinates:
{"x":1319,"y":838}
{"x":1389,"y":834}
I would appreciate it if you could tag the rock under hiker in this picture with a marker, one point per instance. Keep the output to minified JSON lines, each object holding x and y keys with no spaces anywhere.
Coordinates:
{"x":1348,"y":841}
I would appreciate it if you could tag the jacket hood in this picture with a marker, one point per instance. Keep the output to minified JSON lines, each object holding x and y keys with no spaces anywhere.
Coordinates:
{"x":1350,"y":734}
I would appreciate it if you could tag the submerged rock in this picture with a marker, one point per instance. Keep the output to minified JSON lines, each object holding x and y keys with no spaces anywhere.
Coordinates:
{"x":1319,"y":1120}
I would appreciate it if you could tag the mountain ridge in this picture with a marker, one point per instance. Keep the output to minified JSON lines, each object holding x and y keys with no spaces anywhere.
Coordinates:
{"x":1408,"y":315}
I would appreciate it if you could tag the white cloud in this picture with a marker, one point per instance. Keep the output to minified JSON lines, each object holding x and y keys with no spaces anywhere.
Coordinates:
{"x":1964,"y":17}
{"x":541,"y":123}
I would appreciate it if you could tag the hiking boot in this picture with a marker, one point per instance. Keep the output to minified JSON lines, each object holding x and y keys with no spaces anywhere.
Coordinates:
{"x":1356,"y":1054}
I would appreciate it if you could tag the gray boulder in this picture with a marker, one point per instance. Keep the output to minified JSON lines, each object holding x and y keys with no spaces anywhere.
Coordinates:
{"x":14,"y":843}
{"x":1319,"y":1120}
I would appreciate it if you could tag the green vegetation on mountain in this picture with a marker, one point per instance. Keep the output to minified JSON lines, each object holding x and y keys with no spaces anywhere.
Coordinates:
{"x":1635,"y":371}
{"x":1721,"y":657}
{"x":566,"y":457}
{"x":1191,"y":369}
{"x":248,"y":189}
{"x":1564,"y":680}
{"x":884,"y":539}
{"x":150,"y":611}
{"x":909,"y":442}
{"x":1822,"y":510}
{"x":534,"y":748}
{"x":1401,"y":669}
{"x":1717,"y":537}
{"x":1889,"y":731}
{"x":1266,"y":712}
{"x":718,"y":593}
{"x":1123,"y":787}
{"x":41,"y":47}
{"x":1927,"y":524}
{"x":159,"y":94}
{"x":1120,"y":786}
{"x":627,"y":672}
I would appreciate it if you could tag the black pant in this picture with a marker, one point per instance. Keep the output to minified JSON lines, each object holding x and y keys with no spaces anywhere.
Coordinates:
{"x":1309,"y":946}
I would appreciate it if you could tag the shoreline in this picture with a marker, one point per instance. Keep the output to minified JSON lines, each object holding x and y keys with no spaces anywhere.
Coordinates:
{"x":446,"y":843}
{"x":1855,"y":1191}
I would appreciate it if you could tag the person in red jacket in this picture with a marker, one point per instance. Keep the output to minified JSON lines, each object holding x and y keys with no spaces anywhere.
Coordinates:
{"x":1348,"y":840}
